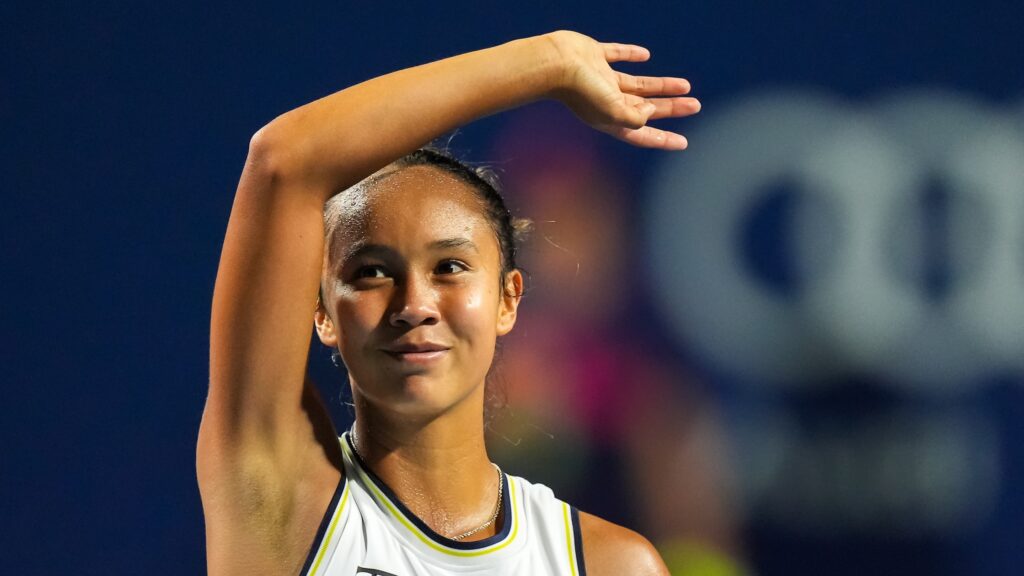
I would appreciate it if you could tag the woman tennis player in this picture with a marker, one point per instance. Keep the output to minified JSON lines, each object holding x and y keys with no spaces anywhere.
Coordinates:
{"x":404,"y":260}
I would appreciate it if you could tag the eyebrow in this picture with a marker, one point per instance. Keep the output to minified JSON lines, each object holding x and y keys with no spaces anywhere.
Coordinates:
{"x":363,"y":248}
{"x":449,"y":243}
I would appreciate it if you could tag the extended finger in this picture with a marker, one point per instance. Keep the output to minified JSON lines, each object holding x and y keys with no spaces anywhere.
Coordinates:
{"x":614,"y":52}
{"x":652,"y":85}
{"x":674,"y":107}
{"x":650,"y":137}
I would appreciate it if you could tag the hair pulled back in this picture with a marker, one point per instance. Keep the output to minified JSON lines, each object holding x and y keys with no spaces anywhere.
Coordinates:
{"x":509,"y":230}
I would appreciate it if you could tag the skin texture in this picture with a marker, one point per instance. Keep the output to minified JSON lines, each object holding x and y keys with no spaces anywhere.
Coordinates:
{"x":417,"y":265}
{"x":267,"y":458}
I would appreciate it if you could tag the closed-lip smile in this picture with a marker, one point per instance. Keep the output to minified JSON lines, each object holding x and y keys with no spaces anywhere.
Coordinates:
{"x":416,"y":351}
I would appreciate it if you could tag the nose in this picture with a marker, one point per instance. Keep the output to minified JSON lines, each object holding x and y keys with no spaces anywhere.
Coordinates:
{"x":415,"y":304}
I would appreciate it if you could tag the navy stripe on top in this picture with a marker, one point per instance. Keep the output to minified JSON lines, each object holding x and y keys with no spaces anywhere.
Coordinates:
{"x":506,"y":507}
{"x":323,"y":526}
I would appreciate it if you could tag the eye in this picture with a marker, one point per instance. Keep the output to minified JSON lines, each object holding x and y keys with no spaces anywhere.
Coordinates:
{"x":450,"y":267}
{"x":371,"y":272}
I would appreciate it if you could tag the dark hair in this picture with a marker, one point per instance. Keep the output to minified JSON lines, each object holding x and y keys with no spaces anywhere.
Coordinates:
{"x":509,"y":230}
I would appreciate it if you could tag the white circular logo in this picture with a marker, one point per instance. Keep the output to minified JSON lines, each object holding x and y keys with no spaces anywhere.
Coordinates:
{"x":903,"y":243}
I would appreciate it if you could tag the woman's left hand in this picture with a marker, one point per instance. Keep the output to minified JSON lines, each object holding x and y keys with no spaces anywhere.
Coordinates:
{"x":617,"y":103}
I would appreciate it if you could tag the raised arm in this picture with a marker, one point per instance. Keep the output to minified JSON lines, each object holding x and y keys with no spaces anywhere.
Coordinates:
{"x":261,"y":451}
{"x":336,"y":141}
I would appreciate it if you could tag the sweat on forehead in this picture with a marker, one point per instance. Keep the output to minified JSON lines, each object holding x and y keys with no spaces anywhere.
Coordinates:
{"x":349,"y":214}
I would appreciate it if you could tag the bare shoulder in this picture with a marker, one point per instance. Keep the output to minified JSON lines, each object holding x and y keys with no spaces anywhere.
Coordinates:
{"x":611,"y":549}
{"x":263,"y":509}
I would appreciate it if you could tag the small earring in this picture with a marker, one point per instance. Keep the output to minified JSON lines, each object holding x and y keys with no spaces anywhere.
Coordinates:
{"x":336,"y":359}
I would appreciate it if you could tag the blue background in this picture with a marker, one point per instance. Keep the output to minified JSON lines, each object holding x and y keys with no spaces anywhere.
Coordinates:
{"x":125,"y":126}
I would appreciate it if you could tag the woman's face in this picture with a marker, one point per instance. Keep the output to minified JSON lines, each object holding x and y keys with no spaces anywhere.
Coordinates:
{"x":412,"y":286}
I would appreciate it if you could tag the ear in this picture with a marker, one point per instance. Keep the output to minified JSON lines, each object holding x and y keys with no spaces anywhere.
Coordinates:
{"x":325,"y":326}
{"x":511,"y":294}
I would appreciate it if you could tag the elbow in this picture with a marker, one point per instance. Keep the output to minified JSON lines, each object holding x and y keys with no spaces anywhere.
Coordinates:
{"x":270,"y":154}
{"x":264,"y":152}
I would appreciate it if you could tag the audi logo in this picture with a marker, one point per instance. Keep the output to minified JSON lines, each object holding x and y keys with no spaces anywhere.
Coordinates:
{"x":902,"y":240}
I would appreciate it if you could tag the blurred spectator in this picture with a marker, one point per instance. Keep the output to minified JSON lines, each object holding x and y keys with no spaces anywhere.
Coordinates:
{"x":591,"y":409}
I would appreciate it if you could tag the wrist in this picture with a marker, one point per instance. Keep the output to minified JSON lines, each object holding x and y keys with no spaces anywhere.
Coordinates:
{"x":548,"y":67}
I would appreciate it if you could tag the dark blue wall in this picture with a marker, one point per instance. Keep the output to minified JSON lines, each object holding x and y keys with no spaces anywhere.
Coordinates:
{"x":124,"y":129}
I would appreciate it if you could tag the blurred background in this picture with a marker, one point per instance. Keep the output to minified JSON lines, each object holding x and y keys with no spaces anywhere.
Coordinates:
{"x":795,"y":349}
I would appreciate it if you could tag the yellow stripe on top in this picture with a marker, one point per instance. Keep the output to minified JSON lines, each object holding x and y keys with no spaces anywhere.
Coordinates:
{"x":568,"y":538}
{"x":330,"y":531}
{"x":381,"y":497}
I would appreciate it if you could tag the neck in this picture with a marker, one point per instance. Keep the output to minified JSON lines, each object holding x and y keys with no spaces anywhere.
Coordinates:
{"x":438,"y":467}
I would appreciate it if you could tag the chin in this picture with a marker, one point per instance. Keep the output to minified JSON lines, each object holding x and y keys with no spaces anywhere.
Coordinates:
{"x":418,"y":396}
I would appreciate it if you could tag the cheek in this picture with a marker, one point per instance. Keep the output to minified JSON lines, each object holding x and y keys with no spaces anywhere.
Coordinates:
{"x":474,"y":312}
{"x":473,"y":303}
{"x":357,"y":317}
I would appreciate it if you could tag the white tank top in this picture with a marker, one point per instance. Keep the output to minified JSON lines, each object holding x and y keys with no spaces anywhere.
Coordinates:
{"x":366,"y":531}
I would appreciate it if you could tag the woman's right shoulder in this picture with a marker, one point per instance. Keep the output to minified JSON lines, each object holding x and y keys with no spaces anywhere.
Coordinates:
{"x":610,"y":549}
{"x":262,"y":510}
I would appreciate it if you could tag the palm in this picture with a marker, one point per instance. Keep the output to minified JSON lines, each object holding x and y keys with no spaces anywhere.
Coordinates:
{"x":618,"y":103}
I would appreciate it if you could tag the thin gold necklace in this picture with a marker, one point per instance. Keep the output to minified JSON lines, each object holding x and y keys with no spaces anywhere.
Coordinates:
{"x":494,"y":516}
{"x":467,"y":534}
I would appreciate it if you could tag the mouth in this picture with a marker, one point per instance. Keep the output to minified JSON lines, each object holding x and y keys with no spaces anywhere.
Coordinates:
{"x":423,"y":353}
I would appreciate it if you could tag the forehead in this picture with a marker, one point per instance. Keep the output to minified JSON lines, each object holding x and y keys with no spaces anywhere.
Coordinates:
{"x":406,"y":209}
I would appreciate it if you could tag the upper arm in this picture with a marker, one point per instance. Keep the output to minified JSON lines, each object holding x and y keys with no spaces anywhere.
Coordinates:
{"x":263,"y":303}
{"x":609,"y":549}
{"x":267,"y":455}
{"x":259,"y":416}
